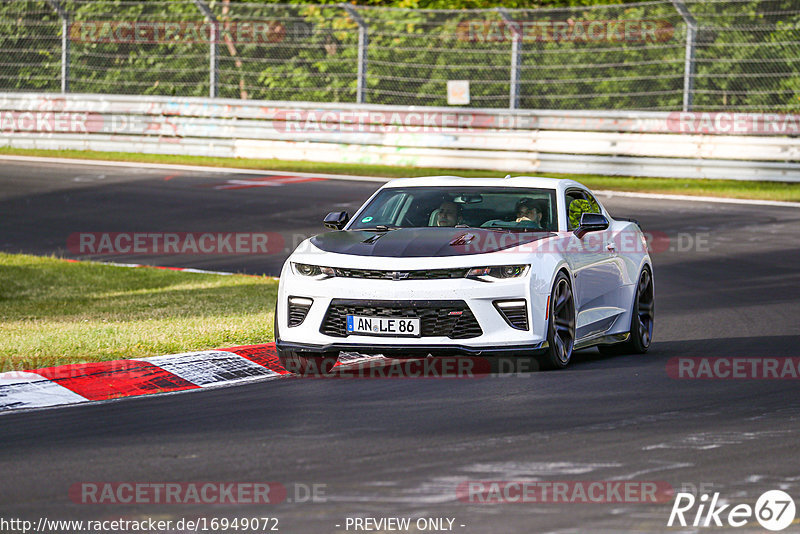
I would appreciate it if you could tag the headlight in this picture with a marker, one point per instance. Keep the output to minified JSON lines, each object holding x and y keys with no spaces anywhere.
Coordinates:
{"x":305,"y":269}
{"x":498,"y":272}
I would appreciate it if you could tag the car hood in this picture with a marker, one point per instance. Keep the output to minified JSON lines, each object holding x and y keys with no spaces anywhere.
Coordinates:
{"x":421,"y":242}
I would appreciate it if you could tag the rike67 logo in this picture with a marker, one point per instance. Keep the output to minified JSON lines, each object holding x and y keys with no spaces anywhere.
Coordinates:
{"x":774,"y":510}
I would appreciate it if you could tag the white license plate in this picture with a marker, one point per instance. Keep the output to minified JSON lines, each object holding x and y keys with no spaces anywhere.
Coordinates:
{"x":383,"y":326}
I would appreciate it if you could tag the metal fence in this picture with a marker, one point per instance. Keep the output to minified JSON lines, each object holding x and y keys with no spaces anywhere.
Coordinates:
{"x":660,"y":55}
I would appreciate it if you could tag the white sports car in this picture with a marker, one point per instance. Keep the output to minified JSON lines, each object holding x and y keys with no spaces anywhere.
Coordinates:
{"x":519,"y":267}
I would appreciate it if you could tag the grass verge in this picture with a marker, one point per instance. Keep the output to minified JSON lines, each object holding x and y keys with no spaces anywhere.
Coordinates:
{"x":677,"y":186}
{"x":54,"y":312}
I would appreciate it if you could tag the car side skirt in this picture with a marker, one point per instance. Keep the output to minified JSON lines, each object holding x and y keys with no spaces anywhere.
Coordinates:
{"x":612,"y":339}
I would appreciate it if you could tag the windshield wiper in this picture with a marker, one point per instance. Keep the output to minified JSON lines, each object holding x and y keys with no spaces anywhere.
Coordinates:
{"x":379,"y":228}
{"x":382,"y":230}
{"x":514,"y":229}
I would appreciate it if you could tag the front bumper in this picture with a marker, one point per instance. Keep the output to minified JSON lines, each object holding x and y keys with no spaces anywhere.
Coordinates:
{"x":416,"y":351}
{"x":496,"y":334}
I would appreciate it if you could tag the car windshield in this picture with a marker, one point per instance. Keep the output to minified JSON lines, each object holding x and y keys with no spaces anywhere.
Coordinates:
{"x":503,"y":208}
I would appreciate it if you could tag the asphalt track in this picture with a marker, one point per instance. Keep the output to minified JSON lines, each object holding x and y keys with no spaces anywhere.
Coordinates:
{"x":729,"y":285}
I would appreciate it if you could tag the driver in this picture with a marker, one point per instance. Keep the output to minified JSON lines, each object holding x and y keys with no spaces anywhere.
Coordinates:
{"x":449,"y":214}
{"x":528,"y":211}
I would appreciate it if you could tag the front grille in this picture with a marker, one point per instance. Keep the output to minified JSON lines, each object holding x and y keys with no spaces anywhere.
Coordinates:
{"x":297,"y":313}
{"x":515,"y":316}
{"x":420,"y":274}
{"x":446,"y":318}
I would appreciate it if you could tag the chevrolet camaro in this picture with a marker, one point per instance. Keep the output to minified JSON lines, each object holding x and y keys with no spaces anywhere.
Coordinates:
{"x":517,"y":267}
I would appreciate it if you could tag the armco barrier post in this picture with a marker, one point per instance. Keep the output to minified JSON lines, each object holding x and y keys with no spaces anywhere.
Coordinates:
{"x":363,"y":45}
{"x":516,"y":57}
{"x":64,"y":16}
{"x":689,"y":63}
{"x":213,"y":68}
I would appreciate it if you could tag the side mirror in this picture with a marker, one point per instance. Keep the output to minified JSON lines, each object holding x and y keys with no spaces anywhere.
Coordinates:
{"x":336,"y":220}
{"x":591,"y":222}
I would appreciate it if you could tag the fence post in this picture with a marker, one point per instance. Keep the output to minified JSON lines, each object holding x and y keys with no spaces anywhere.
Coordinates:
{"x":516,"y":57}
{"x":363,"y":45}
{"x":213,"y":68}
{"x":64,"y":16}
{"x":689,"y":63}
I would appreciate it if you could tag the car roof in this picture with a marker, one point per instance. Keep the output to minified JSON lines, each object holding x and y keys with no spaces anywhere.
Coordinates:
{"x":516,"y":181}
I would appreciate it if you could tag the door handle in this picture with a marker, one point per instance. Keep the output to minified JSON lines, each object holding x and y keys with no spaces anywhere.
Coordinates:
{"x":611,"y":247}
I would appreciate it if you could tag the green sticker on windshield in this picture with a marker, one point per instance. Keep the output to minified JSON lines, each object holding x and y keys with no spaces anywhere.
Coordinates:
{"x":366,"y":219}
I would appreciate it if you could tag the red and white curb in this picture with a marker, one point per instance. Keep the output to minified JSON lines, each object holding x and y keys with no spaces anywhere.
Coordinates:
{"x":76,"y":383}
{"x":70,"y":384}
{"x":97,"y":381}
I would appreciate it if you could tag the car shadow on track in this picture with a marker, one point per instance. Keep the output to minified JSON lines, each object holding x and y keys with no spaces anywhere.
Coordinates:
{"x":360,"y":366}
{"x":750,"y":347}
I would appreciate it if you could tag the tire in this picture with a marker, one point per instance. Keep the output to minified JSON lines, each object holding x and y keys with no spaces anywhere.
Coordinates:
{"x":307,"y":363}
{"x":642,"y":320}
{"x":561,"y":326}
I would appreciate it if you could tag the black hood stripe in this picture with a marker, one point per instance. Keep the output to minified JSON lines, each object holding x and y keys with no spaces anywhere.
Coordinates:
{"x":423,"y":242}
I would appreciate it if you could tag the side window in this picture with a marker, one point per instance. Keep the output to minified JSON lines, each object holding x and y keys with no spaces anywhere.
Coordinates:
{"x":579,"y":202}
{"x":595,"y":207}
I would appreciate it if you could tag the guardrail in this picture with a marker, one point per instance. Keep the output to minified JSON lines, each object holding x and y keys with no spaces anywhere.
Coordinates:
{"x":689,"y":145}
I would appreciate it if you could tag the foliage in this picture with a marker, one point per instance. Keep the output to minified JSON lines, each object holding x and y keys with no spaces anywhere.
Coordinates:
{"x":747,"y":54}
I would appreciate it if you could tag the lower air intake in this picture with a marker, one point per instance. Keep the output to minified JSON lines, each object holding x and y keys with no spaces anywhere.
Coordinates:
{"x":515,"y":312}
{"x":445,"y":318}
